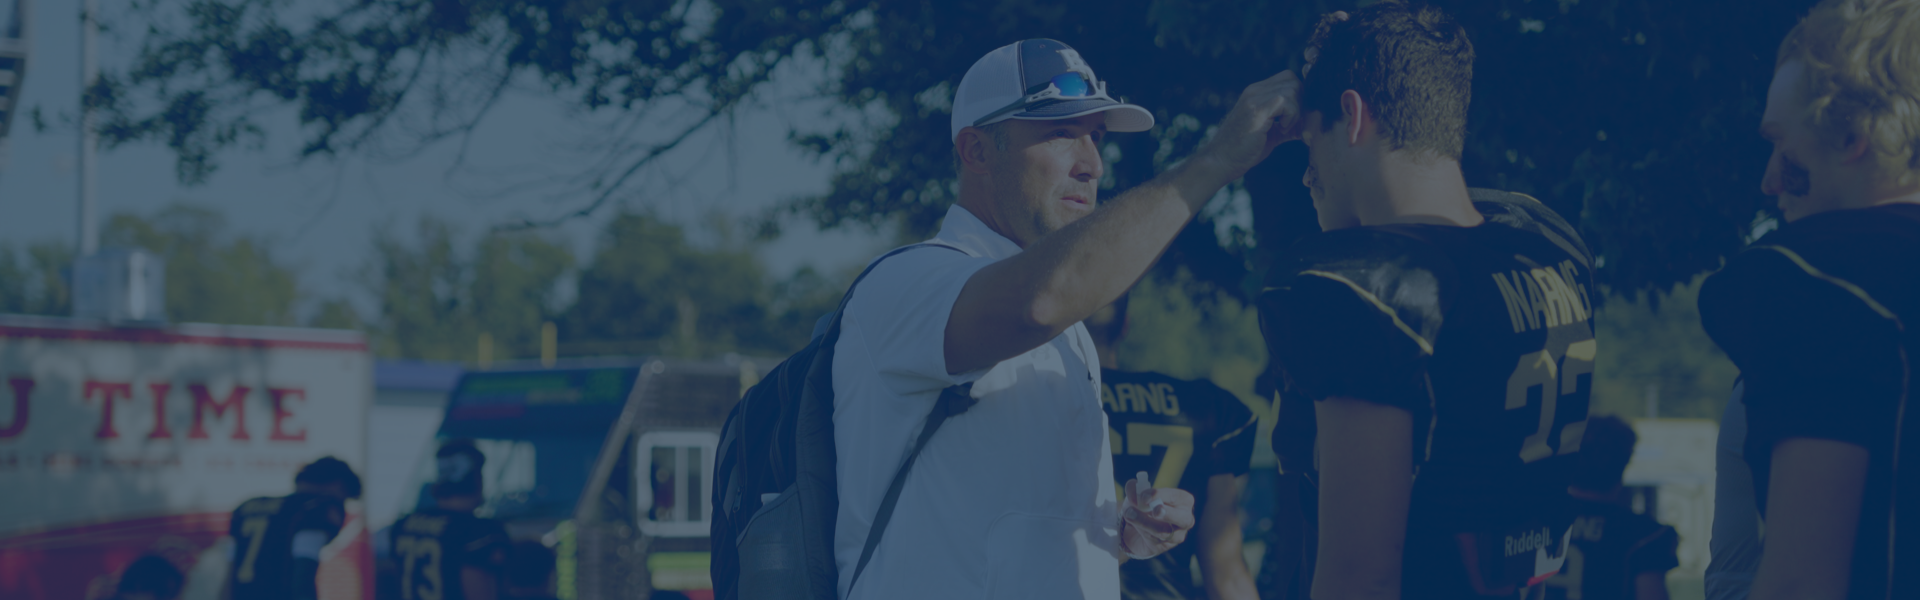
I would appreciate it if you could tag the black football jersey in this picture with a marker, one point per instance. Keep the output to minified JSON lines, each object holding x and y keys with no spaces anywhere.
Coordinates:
{"x":1485,"y":335}
{"x":263,"y":531}
{"x":432,"y":546}
{"x":1822,"y":316}
{"x":1611,"y":547}
{"x":1181,"y":433}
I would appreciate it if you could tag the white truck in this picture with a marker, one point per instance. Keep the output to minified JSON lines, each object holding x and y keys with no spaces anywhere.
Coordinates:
{"x":118,"y":442}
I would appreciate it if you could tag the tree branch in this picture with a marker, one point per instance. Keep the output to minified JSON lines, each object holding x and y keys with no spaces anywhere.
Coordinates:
{"x":607,"y":190}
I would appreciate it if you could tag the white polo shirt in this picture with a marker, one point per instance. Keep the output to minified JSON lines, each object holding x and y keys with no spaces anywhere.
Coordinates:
{"x":1014,"y":498}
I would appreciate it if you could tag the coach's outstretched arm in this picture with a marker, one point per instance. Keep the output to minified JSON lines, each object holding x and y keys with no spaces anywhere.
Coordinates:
{"x":1019,"y":303}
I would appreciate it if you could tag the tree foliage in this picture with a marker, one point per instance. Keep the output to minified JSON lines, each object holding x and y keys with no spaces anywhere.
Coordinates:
{"x":212,"y":276}
{"x":432,"y":69}
{"x":1185,"y":327}
{"x":1658,"y":349}
{"x":31,"y":282}
{"x":1634,"y":119}
{"x":647,"y":289}
{"x":1182,"y":327}
{"x":650,"y":290}
{"x":436,"y":299}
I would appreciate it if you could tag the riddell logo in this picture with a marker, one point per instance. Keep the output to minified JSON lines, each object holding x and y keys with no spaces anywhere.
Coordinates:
{"x":1529,"y":542}
{"x":208,"y":409}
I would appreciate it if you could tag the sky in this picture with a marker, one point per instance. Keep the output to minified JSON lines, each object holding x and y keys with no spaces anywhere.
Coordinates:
{"x":321,"y":214}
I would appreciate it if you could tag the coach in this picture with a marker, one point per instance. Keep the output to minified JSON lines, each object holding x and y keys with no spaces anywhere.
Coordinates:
{"x":1014,"y":498}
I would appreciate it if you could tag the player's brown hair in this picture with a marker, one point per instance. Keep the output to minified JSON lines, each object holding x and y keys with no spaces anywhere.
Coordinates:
{"x":1863,"y":76}
{"x":1412,"y":64}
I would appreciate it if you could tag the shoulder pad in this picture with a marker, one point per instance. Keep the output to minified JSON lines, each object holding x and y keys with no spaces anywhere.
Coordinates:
{"x":1527,"y":213}
{"x":1390,"y":267}
{"x":1862,"y":247}
{"x":1847,"y":227}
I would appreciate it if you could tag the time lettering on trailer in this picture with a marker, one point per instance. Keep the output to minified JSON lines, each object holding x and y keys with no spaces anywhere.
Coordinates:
{"x":115,"y":400}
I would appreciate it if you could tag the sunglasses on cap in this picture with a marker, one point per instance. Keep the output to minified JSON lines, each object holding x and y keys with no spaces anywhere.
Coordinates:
{"x":1071,"y":85}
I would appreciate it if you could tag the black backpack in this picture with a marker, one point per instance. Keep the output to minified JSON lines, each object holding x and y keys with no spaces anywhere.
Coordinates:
{"x":775,"y":492}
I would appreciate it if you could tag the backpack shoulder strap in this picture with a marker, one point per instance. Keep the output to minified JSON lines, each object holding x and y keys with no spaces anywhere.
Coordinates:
{"x":953,"y":401}
{"x":828,"y":321}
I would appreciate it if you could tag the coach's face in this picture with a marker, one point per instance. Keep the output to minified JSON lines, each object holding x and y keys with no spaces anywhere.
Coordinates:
{"x":1805,"y":169}
{"x":1047,"y":176}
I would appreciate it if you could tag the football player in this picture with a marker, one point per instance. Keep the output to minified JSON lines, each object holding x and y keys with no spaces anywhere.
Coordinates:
{"x":1620,"y":553}
{"x":1442,"y":335}
{"x":1192,"y":435}
{"x":445,"y":552}
{"x":277,"y":541}
{"x":1821,"y":315}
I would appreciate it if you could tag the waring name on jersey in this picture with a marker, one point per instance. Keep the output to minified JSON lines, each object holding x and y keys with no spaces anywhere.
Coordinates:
{"x":1544,"y":297}
{"x":1156,"y":398}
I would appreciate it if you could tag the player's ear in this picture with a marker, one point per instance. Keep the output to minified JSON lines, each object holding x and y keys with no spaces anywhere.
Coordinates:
{"x":1354,"y":110}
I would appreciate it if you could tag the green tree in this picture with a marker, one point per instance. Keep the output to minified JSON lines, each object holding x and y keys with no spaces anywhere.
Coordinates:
{"x":31,"y":282}
{"x":212,"y":277}
{"x":435,"y":302}
{"x":337,"y":313}
{"x":419,"y":288}
{"x":1185,"y":327}
{"x":1182,"y":327}
{"x":647,"y":290}
{"x":651,"y":290}
{"x":797,"y":304}
{"x":1634,"y":119}
{"x":516,"y":286}
{"x":1654,"y":346}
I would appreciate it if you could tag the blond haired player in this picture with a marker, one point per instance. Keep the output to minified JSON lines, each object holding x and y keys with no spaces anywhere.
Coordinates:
{"x":1820,"y":315}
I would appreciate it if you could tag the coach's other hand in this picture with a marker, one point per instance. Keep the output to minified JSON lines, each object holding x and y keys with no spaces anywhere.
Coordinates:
{"x":1154,"y":520}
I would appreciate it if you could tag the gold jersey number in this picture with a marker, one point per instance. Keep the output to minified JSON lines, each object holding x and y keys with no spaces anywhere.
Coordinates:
{"x":1140,"y":440}
{"x":255,"y":528}
{"x":1545,"y":377}
{"x":422,"y":552}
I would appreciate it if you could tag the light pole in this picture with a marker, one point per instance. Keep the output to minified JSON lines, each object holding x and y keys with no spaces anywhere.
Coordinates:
{"x":16,"y":38}
{"x":89,"y":236}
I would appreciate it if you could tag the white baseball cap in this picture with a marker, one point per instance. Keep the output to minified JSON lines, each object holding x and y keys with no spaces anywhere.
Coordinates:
{"x":1038,"y":79}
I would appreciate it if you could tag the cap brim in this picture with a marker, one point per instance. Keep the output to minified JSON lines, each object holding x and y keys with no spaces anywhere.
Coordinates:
{"x":1121,"y":118}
